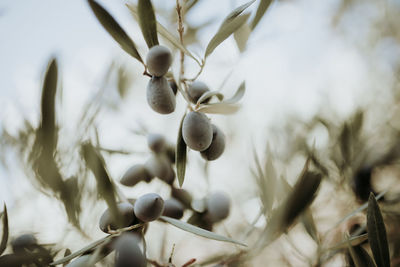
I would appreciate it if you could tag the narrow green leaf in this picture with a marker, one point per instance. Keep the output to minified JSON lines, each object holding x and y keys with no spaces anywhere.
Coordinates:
{"x":208,"y":95}
{"x":81,"y":251}
{"x":4,"y":237}
{"x":66,"y":253}
{"x":115,"y":30}
{"x":180,"y":155}
{"x":262,"y":8}
{"x":229,"y":26}
{"x":199,"y":231}
{"x":105,"y":187}
{"x":238,"y":94}
{"x":377,"y":233}
{"x":219,"y":108}
{"x":147,"y":22}
{"x":360,"y":257}
{"x":353,"y":240}
{"x":309,"y":224}
{"x":165,"y":33}
{"x":345,"y":143}
{"x":241,"y":36}
{"x":300,"y":198}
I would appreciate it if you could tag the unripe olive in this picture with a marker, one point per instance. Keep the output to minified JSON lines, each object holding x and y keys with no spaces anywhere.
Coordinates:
{"x":82,"y":261}
{"x":217,"y":146}
{"x":135,"y":174}
{"x":22,"y":242}
{"x":160,"y":96}
{"x":127,"y":216}
{"x":174,"y":86}
{"x":197,"y":131}
{"x":149,"y":207}
{"x":182,"y":195}
{"x":173,"y":208}
{"x":218,"y":205}
{"x":159,"y":166}
{"x":158,"y":60}
{"x":196,"y":90}
{"x":128,"y":253}
{"x":156,"y":142}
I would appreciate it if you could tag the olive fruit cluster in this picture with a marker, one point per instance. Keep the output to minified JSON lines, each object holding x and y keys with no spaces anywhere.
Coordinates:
{"x":200,"y":135}
{"x":160,"y":95}
{"x":158,"y":165}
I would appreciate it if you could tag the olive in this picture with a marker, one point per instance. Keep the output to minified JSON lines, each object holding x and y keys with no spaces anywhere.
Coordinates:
{"x":126,"y":212}
{"x":158,"y":60}
{"x":173,"y":208}
{"x":22,"y":242}
{"x":156,"y":142}
{"x":159,"y":166}
{"x":182,"y":195}
{"x":174,"y":86}
{"x":196,"y":90}
{"x":160,"y":96}
{"x":82,"y":261}
{"x":127,"y":251}
{"x":149,"y":207}
{"x":218,"y":205}
{"x":135,"y":174}
{"x":197,"y":131}
{"x":217,"y":146}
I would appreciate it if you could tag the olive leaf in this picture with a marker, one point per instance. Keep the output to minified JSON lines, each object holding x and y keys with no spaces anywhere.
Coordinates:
{"x":115,"y":30}
{"x":353,"y":240}
{"x":81,"y":251}
{"x":345,"y":143}
{"x":263,"y":184}
{"x":241,"y":36}
{"x":377,"y":233}
{"x":165,"y":33}
{"x":360,"y":257}
{"x":238,"y":94}
{"x":262,"y":8}
{"x":4,"y":237}
{"x":208,"y":95}
{"x":105,"y":187}
{"x":147,"y":22}
{"x":230,"y":24}
{"x":180,"y":155}
{"x":199,"y":231}
{"x":219,"y":108}
{"x":308,"y":222}
{"x":66,"y":253}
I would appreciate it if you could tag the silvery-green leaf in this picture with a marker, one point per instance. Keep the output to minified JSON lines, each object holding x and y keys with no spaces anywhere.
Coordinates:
{"x":4,"y":237}
{"x":353,"y":240}
{"x":360,"y":257}
{"x":95,"y":162}
{"x":81,"y":251}
{"x":377,"y":233}
{"x":199,"y":231}
{"x":308,"y":222}
{"x":66,"y":253}
{"x":165,"y":33}
{"x":180,"y":155}
{"x":262,"y":8}
{"x":238,"y":94}
{"x":209,"y":94}
{"x":147,"y":22}
{"x":115,"y":30}
{"x":219,"y":108}
{"x":228,"y":27}
{"x":241,"y":36}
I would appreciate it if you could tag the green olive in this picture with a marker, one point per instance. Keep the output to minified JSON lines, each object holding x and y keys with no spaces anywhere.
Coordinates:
{"x":156,"y":142}
{"x":158,"y":60}
{"x":149,"y":207}
{"x":197,"y":131}
{"x":125,"y":210}
{"x":22,"y":242}
{"x":160,"y":166}
{"x":217,"y":146}
{"x":160,"y":96}
{"x":196,"y":90}
{"x":135,"y":174}
{"x":173,"y":208}
{"x":128,"y":252}
{"x":218,"y":206}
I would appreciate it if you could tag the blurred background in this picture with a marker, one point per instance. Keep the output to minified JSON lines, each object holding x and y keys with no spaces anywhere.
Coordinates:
{"x":310,"y":68}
